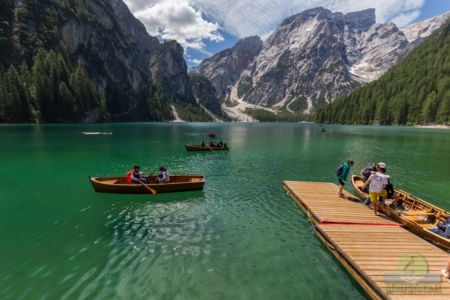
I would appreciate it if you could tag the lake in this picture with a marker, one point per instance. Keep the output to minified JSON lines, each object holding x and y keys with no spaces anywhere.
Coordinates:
{"x":241,"y":237}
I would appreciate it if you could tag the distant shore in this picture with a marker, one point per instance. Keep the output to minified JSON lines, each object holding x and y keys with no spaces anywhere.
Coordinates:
{"x":433,"y":126}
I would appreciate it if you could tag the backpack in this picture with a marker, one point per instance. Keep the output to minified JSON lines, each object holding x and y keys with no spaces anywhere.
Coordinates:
{"x":340,"y":170}
{"x":390,"y":190}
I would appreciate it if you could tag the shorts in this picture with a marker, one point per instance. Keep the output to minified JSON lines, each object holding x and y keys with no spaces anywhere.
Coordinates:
{"x":375,"y":195}
{"x":341,"y":182}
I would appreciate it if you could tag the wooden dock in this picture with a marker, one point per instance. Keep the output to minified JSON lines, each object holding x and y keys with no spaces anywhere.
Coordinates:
{"x":387,"y":261}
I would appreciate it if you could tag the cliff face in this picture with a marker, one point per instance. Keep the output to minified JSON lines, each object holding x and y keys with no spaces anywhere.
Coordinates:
{"x":224,"y":68}
{"x":314,"y":57}
{"x":105,"y":38}
{"x":317,"y":55}
{"x":414,"y":91}
{"x":168,"y":68}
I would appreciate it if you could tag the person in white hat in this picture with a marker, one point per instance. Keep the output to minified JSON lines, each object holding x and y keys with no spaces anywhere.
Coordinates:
{"x":377,"y":184}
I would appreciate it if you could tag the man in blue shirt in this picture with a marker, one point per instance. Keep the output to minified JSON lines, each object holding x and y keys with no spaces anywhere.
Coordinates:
{"x":342,"y":175}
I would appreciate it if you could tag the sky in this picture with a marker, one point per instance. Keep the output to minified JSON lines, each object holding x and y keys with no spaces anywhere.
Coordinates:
{"x":205,"y":27}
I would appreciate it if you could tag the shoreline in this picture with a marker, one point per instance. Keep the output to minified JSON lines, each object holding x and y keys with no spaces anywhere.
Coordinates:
{"x":432,"y":126}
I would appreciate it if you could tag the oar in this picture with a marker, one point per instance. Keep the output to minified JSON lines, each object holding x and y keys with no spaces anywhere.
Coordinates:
{"x":147,"y":187}
{"x":211,"y":149}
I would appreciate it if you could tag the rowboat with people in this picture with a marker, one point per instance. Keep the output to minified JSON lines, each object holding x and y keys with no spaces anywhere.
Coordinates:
{"x":205,"y":147}
{"x":417,"y":215}
{"x":120,"y":185}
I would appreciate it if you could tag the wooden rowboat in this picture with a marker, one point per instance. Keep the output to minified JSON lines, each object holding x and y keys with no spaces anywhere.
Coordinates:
{"x":415,"y":214}
{"x":119,"y":184}
{"x":190,"y":147}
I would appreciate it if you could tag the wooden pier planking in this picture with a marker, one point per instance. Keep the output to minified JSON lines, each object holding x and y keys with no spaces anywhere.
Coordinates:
{"x":320,"y":201}
{"x":369,"y":248}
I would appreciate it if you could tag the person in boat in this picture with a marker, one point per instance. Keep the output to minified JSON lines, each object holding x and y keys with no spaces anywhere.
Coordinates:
{"x":342,"y":175}
{"x":203,"y":144}
{"x":134,"y":176}
{"x":220,"y":144}
{"x":443,"y":228}
{"x":212,"y":144}
{"x":367,"y":171}
{"x":225,"y":145}
{"x":163,"y":176}
{"x":377,"y":183}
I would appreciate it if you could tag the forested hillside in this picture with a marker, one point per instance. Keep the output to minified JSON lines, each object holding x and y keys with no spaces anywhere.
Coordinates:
{"x":416,"y":91}
{"x":86,"y":61}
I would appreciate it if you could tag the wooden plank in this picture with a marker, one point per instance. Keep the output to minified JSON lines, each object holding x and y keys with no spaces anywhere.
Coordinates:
{"x":320,"y":201}
{"x":374,"y":259}
{"x":371,"y":248}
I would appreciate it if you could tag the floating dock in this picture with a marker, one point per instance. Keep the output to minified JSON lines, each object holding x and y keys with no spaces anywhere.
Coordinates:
{"x":387,"y":261}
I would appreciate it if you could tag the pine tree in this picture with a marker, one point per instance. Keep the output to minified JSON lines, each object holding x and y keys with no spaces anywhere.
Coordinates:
{"x":414,"y":91}
{"x":443,"y":113}
{"x":429,"y":108}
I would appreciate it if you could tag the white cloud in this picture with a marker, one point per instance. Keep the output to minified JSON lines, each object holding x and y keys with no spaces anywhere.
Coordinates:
{"x":248,"y":17}
{"x":176,"y":20}
{"x":195,"y":61}
{"x":184,"y":20}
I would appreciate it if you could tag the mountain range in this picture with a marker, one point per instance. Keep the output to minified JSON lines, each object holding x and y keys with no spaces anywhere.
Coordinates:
{"x":309,"y":60}
{"x":93,"y":61}
{"x":415,"y":91}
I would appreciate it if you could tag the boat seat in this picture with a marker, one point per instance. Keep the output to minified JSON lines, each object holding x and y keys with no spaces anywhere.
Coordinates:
{"x":416,"y":219}
{"x":428,"y":226}
{"x":417,"y":212}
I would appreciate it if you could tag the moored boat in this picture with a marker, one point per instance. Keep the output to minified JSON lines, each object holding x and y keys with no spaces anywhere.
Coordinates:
{"x":212,"y":134}
{"x":416,"y":214}
{"x":190,"y":147}
{"x":119,"y":184}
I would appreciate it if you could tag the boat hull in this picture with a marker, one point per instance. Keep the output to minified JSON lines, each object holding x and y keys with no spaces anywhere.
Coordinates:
{"x":417,"y":226}
{"x":119,"y":185}
{"x":190,"y":148}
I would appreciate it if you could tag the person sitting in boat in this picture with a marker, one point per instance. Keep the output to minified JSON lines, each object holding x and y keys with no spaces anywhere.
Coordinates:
{"x":203,"y":144}
{"x":134,"y":176}
{"x":225,"y":145}
{"x":212,"y":144}
{"x":377,"y":183}
{"x":367,"y":171}
{"x":443,"y":228}
{"x":220,"y":144}
{"x":163,"y":176}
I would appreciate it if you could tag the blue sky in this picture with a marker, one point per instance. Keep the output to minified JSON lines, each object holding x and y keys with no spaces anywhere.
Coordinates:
{"x":205,"y":27}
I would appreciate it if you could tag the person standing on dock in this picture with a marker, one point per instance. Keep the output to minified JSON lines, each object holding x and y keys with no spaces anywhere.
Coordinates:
{"x":342,"y":175}
{"x":377,"y":186}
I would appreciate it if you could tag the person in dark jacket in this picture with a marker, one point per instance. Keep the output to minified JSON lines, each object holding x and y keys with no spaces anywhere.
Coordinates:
{"x":369,"y":170}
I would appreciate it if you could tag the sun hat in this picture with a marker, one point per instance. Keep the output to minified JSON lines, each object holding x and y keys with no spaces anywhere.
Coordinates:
{"x":381,"y":165}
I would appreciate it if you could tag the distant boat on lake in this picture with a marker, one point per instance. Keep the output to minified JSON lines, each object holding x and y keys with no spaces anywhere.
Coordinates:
{"x":96,"y":133}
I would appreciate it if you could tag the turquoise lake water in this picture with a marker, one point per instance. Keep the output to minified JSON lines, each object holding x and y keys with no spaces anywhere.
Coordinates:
{"x":241,"y":237}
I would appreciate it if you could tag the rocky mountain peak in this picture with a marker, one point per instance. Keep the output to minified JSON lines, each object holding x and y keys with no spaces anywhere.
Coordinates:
{"x":362,"y":20}
{"x":168,"y":68}
{"x":317,"y":55}
{"x":224,"y":68}
{"x":420,"y":30}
